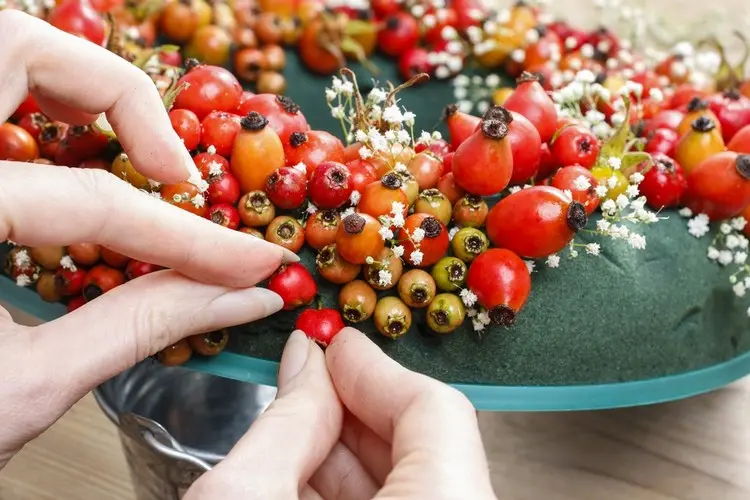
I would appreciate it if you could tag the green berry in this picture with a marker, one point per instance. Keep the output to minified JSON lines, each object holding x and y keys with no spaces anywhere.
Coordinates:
{"x":449,"y":274}
{"x":468,"y":243}
{"x":446,"y":313}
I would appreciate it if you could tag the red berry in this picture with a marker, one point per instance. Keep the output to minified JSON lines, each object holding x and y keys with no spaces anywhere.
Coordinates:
{"x":79,"y":18}
{"x":358,"y":238}
{"x":321,"y":325}
{"x":448,"y":163}
{"x":483,"y":164}
{"x":662,"y":140}
{"x":400,"y":33}
{"x":448,"y":187}
{"x":363,"y":174}
{"x":85,"y":142}
{"x":330,"y":185}
{"x":501,"y":282}
{"x":211,"y":165}
{"x":101,"y":279}
{"x":383,"y":8}
{"x":664,"y":184}
{"x":720,"y":186}
{"x":414,"y":61}
{"x":16,"y":144}
{"x":733,"y":111}
{"x":68,"y":282}
{"x":312,"y":148}
{"x":33,"y":123}
{"x":219,"y":129}
{"x":112,"y":258}
{"x":668,"y":118}
{"x":187,"y":126}
{"x":575,"y":145}
{"x":535,"y":222}
{"x":29,"y":105}
{"x":224,"y":215}
{"x":287,"y":188}
{"x":426,"y":169}
{"x":75,"y":303}
{"x":378,"y":198}
{"x":604,"y":41}
{"x":526,"y":146}
{"x":570,"y":177}
{"x":740,"y":143}
{"x":283,"y":114}
{"x":547,"y":164}
{"x":294,"y":284}
{"x":433,"y":244}
{"x":460,"y":125}
{"x":438,"y":147}
{"x":209,"y":88}
{"x":224,"y":188}
{"x":136,"y":269}
{"x":531,"y":100}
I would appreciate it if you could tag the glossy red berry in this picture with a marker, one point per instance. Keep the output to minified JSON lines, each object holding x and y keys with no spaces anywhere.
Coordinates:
{"x":294,"y":284}
{"x":287,"y":188}
{"x":733,"y":112}
{"x":662,"y":140}
{"x":312,"y":148}
{"x":224,"y":215}
{"x":574,"y":178}
{"x":79,"y":18}
{"x":448,"y":187}
{"x":740,"y":143}
{"x":187,"y":126}
{"x":211,"y":164}
{"x":330,"y":185}
{"x":101,"y":279}
{"x":136,"y":269}
{"x":208,"y":88}
{"x":664,"y":184}
{"x":219,"y":129}
{"x":16,"y":144}
{"x":668,"y":118}
{"x":720,"y":186}
{"x":282,"y":113}
{"x":460,"y":125}
{"x":502,"y":284}
{"x":414,"y":61}
{"x":526,"y":147}
{"x":425,"y":240}
{"x":321,"y":325}
{"x":483,"y":164}
{"x":321,"y":228}
{"x":575,"y":145}
{"x":33,"y":123}
{"x":76,"y":303}
{"x":400,"y":33}
{"x":363,"y":174}
{"x":426,"y":169}
{"x":69,"y":283}
{"x":223,"y":189}
{"x":533,"y":102}
{"x":535,"y":222}
{"x":29,"y":105}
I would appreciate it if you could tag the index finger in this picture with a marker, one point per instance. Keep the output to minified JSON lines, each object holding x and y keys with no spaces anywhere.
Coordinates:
{"x":86,"y":77}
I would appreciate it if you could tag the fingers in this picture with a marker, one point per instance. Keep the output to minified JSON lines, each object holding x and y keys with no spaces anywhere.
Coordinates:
{"x":60,"y":206}
{"x":432,"y":427}
{"x":342,"y":475}
{"x":128,"y":324}
{"x":60,"y":112}
{"x":289,"y":441}
{"x":77,"y":74}
{"x":373,"y":453}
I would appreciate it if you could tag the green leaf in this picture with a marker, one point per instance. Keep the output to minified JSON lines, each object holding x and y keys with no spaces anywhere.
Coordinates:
{"x":357,"y":27}
{"x":168,"y":49}
{"x":630,"y":160}
{"x":616,"y":145}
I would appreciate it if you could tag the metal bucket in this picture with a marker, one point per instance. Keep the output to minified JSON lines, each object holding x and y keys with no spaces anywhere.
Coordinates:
{"x":175,"y":423}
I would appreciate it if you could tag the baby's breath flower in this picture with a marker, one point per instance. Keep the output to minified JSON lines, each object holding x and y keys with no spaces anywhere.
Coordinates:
{"x":713,"y":253}
{"x":369,"y":260}
{"x":698,"y":225}
{"x":739,"y":223}
{"x":355,"y":197}
{"x":386,"y":233}
{"x":311,"y":209}
{"x":400,"y":167}
{"x":637,"y":241}
{"x":601,"y":190}
{"x":740,"y":258}
{"x":468,"y":297}
{"x":404,"y":137}
{"x":397,"y":220}
{"x":416,"y":257}
{"x":603,"y":225}
{"x":636,"y":178}
{"x":739,"y":289}
{"x":397,"y":208}
{"x":346,"y":213}
{"x":609,"y":207}
{"x":22,"y":280}
{"x":615,"y":163}
{"x":478,"y":326}
{"x":199,"y":201}
{"x":67,"y":263}
{"x":732,"y":241}
{"x":553,"y":261}
{"x":612,"y":182}
{"x":593,"y":249}
{"x":365,"y":153}
{"x":581,"y":183}
{"x":211,"y":149}
{"x":725,"y":257}
{"x":301,"y":168}
{"x":484,"y":318}
{"x":338,"y":112}
{"x":417,"y":235}
{"x":390,"y":136}
{"x":452,"y":232}
{"x":632,"y":191}
{"x":514,"y":189}
{"x":330,"y":95}
{"x":685,"y":212}
{"x":393,"y":115}
{"x":377,"y":95}
{"x":398,"y":251}
{"x":529,"y":265}
{"x":385,"y":278}
{"x":725,"y":228}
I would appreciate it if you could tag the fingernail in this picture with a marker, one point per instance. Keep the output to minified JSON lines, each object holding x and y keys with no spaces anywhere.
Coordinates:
{"x":289,"y":257}
{"x":232,"y":307}
{"x":194,"y":175}
{"x":294,"y":357}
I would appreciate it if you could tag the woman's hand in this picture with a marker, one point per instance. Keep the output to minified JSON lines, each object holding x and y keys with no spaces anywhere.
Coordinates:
{"x":353,"y":424}
{"x":45,"y":370}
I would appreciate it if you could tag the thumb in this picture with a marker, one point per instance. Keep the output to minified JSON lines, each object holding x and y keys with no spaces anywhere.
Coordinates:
{"x":289,"y":441}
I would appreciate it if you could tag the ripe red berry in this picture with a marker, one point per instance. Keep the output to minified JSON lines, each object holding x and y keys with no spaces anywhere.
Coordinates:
{"x":448,"y":187}
{"x":282,"y":113}
{"x":664,"y":184}
{"x":312,"y":148}
{"x":330,"y":185}
{"x":79,"y":18}
{"x":101,"y":279}
{"x":294,"y":284}
{"x":321,"y":325}
{"x":575,"y":145}
{"x":211,"y":164}
{"x":668,"y":118}
{"x":287,"y":188}
{"x":224,"y":188}
{"x":378,"y":198}
{"x":400,"y":33}
{"x":535,"y":222}
{"x":572,"y":178}
{"x":483,"y":164}
{"x":740,"y":143}
{"x":460,"y":125}
{"x":69,"y":283}
{"x":33,"y":123}
{"x":526,"y":146}
{"x":29,"y":105}
{"x":501,"y":282}
{"x":358,"y":238}
{"x":733,"y":112}
{"x":720,"y":186}
{"x":426,"y":169}
{"x":112,"y":258}
{"x":209,"y":88}
{"x":531,"y":100}
{"x":662,"y":140}
{"x":187,"y":126}
{"x":137,"y":268}
{"x":363,"y":174}
{"x":75,"y":303}
{"x":425,"y":240}
{"x":224,"y":215}
{"x":219,"y":129}
{"x":414,"y":61}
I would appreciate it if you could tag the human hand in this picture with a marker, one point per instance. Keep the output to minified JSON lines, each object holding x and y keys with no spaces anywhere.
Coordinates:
{"x":45,"y":370}
{"x":351,"y":423}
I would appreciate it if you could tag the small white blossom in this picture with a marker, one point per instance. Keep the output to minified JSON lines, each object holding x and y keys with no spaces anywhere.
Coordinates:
{"x":740,"y":258}
{"x":603,"y":225}
{"x":602,"y":130}
{"x":398,"y":251}
{"x":417,"y":235}
{"x":478,"y":326}
{"x":725,"y":228}
{"x":23,"y":280}
{"x":725,"y":257}
{"x":739,"y":289}
{"x":656,"y":94}
{"x":365,"y":153}
{"x":518,"y":55}
{"x":615,"y":163}
{"x":330,"y":95}
{"x":376,"y":112}
{"x":632,"y":191}
{"x":369,"y":260}
{"x":199,"y":201}
{"x":436,"y":136}
{"x":390,"y":136}
{"x":452,"y":233}
{"x":514,"y":189}
{"x":301,"y":168}
{"x":67,"y":263}
{"x":393,"y":115}
{"x":468,"y":297}
{"x":416,"y":257}
{"x":593,"y":116}
{"x":397,"y":208}
{"x":619,"y":232}
{"x":492,"y":80}
{"x":636,"y":178}
{"x":601,"y":190}
{"x":739,"y":223}
{"x":713,"y":253}
{"x":609,"y":207}
{"x":573,"y":253}
{"x":685,"y":212}
{"x":404,"y":137}
{"x":311,"y":209}
{"x":385,"y":278}
{"x":698,"y":225}
{"x":529,"y":266}
{"x":21,"y":259}
{"x":386,"y":233}
{"x":360,"y":136}
{"x":593,"y":249}
{"x":732,"y":241}
{"x":156,"y":184}
{"x":553,"y":261}
{"x":211,"y":149}
{"x":582,"y":183}
{"x":585,"y":76}
{"x":377,"y":95}
{"x":400,"y":167}
{"x":354,"y":197}
{"x":612,"y":182}
{"x":338,"y":112}
{"x":743,"y":241}
{"x":637,"y":241}
{"x":346,"y":213}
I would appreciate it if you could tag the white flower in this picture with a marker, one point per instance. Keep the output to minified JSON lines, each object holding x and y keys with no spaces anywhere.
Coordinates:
{"x":514,"y":189}
{"x":619,"y":232}
{"x":637,"y":241}
{"x":398,"y":251}
{"x":739,"y":289}
{"x":336,"y":84}
{"x":593,"y":249}
{"x":553,"y":261}
{"x":360,"y":136}
{"x":484,"y":318}
{"x":462,"y":80}
{"x":732,"y":241}
{"x":202,"y":186}
{"x":468,"y":297}
{"x":585,"y":76}
{"x":398,"y":220}
{"x":465,"y":106}
{"x":386,"y":233}
{"x":685,"y":212}
{"x":355,"y":197}
{"x":377,"y":95}
{"x":392,"y":114}
{"x":385,"y":278}
{"x":301,"y":168}
{"x":330,"y":95}
{"x":416,"y":257}
{"x":404,"y":137}
{"x":573,"y":253}
{"x":656,"y":94}
{"x":743,"y":241}
{"x":622,"y":201}
{"x":609,"y":207}
{"x":199,"y":201}
{"x":478,"y":326}
{"x":740,"y":258}
{"x":601,"y":191}
{"x":400,"y":167}
{"x":211,"y":149}
{"x":739,"y":223}
{"x":518,"y":55}
{"x":452,"y":233}
{"x":369,"y":260}
{"x":425,"y":138}
{"x":725,"y":228}
{"x":365,"y":153}
{"x":22,"y":259}
{"x":436,"y":136}
{"x":156,"y":184}
{"x":417,"y":235}
{"x":397,"y":208}
{"x":713,"y":253}
{"x":632,"y":191}
{"x":492,"y":80}
{"x":581,"y":183}
{"x":376,"y":112}
{"x":338,"y":112}
{"x":637,"y":178}
{"x":593,"y":116}
{"x":311,"y":209}
{"x":602,"y":130}
{"x":698,"y":225}
{"x":23,"y":280}
{"x":725,"y":257}
{"x":615,"y":163}
{"x":529,"y":266}
{"x":390,"y":136}
{"x":346,"y":213}
{"x":155,"y":194}
{"x":603,"y":225}
{"x":612,"y":182}
{"x":67,"y":263}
